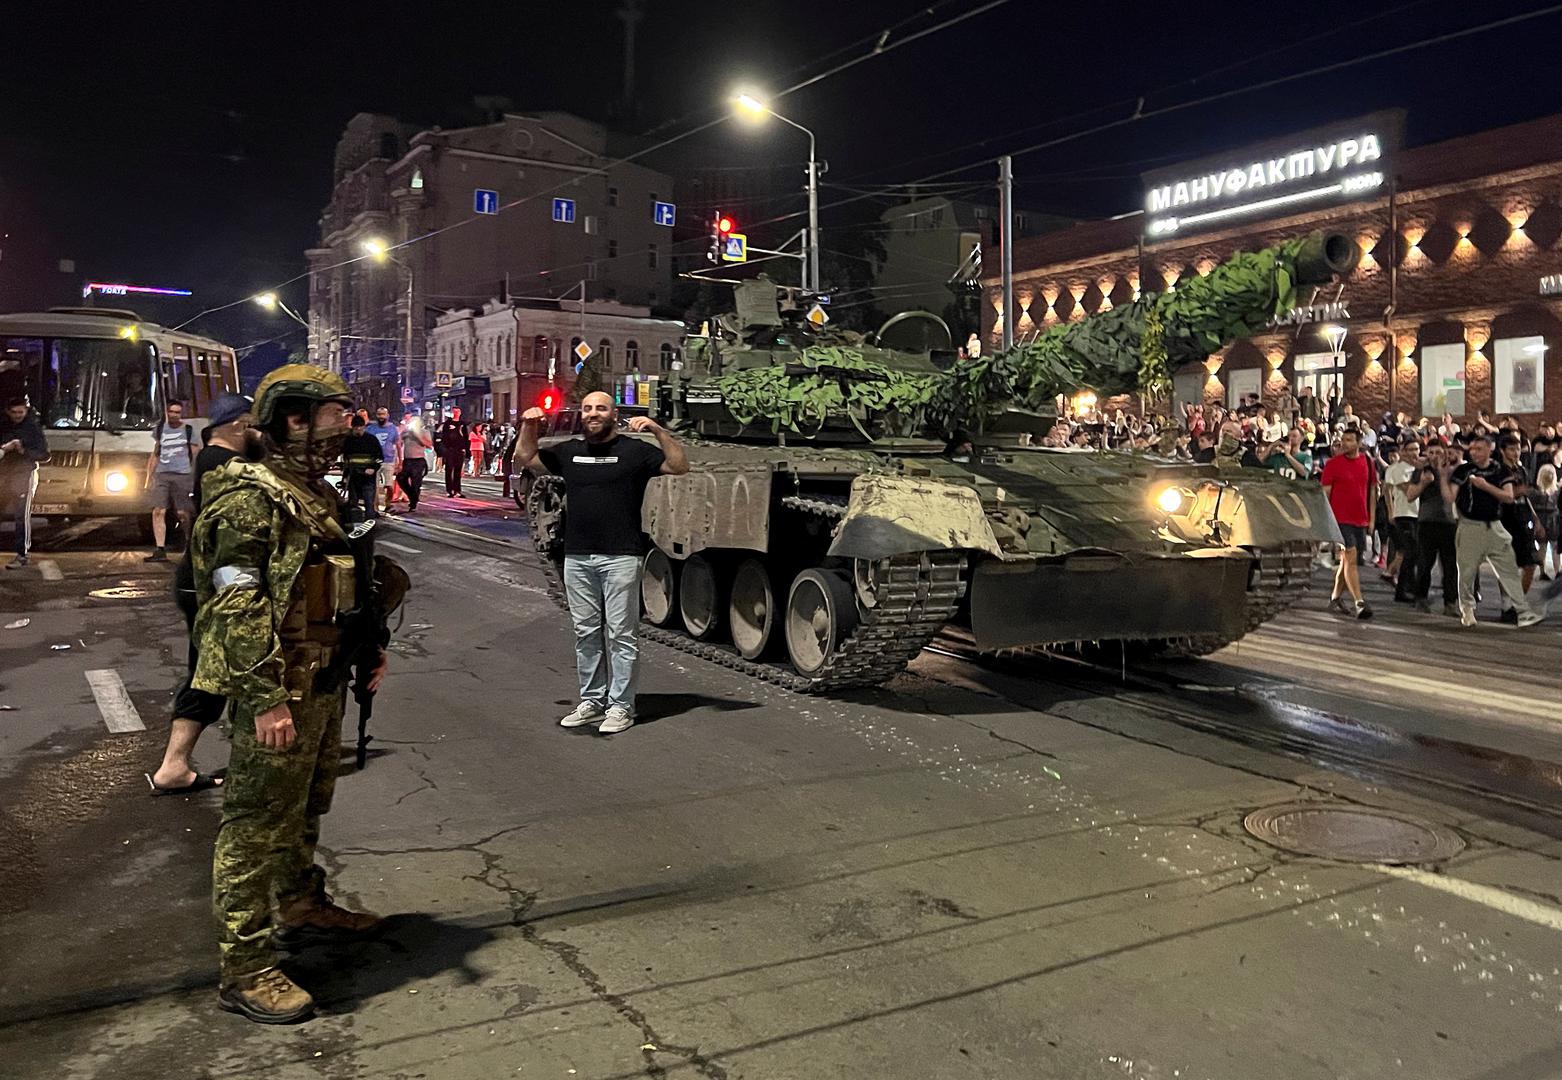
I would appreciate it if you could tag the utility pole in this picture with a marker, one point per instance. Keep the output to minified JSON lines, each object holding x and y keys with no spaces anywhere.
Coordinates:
{"x":1006,"y":242}
{"x":813,"y":216}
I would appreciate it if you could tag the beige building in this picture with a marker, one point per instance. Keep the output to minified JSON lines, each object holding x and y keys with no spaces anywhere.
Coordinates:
{"x":499,"y":355}
{"x":932,"y":245}
{"x":393,"y":182}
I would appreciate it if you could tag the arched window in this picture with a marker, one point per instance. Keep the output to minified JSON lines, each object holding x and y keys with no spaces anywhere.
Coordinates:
{"x":632,"y":355}
{"x":605,"y":351}
{"x":667,"y":357}
{"x":416,"y":183}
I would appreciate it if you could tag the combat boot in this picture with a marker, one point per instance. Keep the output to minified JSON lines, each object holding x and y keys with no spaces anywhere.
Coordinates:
{"x":312,"y":920}
{"x":266,"y":997}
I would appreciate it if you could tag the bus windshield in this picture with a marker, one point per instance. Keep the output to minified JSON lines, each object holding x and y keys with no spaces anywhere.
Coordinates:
{"x":81,"y":382}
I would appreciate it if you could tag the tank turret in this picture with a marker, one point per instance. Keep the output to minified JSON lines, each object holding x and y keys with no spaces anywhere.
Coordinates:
{"x":766,"y":370}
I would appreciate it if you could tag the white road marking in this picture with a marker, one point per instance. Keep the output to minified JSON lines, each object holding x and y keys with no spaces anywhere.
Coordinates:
{"x":1296,"y":657}
{"x":1488,"y":895}
{"x":49,"y":570}
{"x":399,"y":547}
{"x":119,"y":712}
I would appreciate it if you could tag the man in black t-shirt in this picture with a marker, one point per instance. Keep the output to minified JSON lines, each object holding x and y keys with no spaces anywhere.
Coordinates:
{"x":454,"y":443}
{"x":1480,"y":488}
{"x":605,"y":475}
{"x":362,"y":456}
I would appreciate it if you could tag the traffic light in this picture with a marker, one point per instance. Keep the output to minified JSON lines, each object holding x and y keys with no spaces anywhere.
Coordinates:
{"x":550,"y":400}
{"x":721,"y":227}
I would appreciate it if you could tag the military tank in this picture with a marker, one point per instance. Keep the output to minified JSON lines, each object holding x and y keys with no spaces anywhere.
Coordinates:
{"x":828,"y":530}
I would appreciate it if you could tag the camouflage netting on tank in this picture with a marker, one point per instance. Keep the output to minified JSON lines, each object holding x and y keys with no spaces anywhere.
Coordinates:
{"x":825,"y":382}
{"x":1130,"y":348}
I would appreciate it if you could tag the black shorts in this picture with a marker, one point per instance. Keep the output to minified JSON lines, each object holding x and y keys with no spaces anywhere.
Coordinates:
{"x":1354,"y":536}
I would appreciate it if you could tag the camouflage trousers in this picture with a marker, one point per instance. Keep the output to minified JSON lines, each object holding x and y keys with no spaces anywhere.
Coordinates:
{"x":271,"y":808}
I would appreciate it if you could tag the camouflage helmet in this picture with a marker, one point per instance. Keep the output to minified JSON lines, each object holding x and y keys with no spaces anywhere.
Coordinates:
{"x":301,"y":381}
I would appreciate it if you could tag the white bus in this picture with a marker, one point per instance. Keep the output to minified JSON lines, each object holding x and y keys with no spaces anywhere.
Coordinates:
{"x":99,"y":379}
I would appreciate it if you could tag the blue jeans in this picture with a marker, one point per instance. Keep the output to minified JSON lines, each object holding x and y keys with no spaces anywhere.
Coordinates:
{"x":604,"y":605}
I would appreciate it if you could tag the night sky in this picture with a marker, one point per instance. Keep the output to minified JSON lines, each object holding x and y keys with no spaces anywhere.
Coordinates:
{"x":191,"y":145}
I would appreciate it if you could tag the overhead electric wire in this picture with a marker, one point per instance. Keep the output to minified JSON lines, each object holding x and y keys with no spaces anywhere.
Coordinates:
{"x":1140,"y":113}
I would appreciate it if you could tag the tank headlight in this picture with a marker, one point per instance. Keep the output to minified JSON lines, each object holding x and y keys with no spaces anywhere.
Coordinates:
{"x":115,"y":482}
{"x":1171,"y":500}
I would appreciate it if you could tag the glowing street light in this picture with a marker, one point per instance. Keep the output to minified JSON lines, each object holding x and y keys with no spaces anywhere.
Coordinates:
{"x":267,"y":300}
{"x":379,"y":251}
{"x":750,"y":107}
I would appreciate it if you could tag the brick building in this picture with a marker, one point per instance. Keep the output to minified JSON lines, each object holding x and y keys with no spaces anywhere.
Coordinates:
{"x":393,"y":182}
{"x":501,"y":352}
{"x":1457,"y":299}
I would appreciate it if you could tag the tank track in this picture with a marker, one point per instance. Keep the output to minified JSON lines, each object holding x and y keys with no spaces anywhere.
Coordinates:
{"x":918,"y":593}
{"x":1284,"y":577}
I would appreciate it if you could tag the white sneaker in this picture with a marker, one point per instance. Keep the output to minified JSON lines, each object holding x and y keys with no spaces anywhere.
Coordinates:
{"x":1530,"y":618}
{"x":1466,"y":616}
{"x":585,"y":713}
{"x":618,"y":719}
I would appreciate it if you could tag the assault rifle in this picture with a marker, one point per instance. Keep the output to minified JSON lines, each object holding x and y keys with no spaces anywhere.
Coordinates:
{"x":381,"y":586}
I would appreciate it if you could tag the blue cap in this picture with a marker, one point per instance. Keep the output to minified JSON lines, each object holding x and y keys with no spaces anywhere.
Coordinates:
{"x":226,"y":408}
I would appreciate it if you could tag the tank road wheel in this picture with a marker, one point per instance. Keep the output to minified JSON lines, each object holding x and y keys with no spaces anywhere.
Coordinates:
{"x":658,"y":588}
{"x":820,"y":612}
{"x":699,"y":597}
{"x":752,"y":614}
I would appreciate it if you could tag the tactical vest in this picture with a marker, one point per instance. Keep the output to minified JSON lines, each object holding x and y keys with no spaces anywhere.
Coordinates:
{"x":325,"y":587}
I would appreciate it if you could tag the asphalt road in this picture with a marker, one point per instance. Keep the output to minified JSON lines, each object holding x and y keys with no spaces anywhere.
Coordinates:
{"x":1032,"y":870}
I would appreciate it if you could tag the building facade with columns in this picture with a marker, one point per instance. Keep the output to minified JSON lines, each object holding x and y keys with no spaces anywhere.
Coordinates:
{"x":395,"y":183}
{"x":1454,"y":307}
{"x":503,"y":355}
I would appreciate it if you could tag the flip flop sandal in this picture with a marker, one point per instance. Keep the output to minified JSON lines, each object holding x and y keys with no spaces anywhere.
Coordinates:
{"x":202,"y":782}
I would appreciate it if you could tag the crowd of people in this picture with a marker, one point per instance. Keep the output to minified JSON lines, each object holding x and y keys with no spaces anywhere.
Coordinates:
{"x":1410,"y":495}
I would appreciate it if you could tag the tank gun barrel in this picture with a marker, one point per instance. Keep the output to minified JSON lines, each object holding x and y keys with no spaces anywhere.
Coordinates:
{"x":1135,"y":346}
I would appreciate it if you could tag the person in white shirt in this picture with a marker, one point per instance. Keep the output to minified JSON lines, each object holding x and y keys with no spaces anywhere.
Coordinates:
{"x":1403,"y":464}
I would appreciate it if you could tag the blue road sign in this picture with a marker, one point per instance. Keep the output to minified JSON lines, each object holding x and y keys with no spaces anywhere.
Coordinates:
{"x":564,"y":211}
{"x":485,"y":201}
{"x":664,"y":213}
{"x":822,"y":298}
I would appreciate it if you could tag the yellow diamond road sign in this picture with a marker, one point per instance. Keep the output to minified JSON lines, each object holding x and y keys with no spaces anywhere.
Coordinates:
{"x":583,"y":351}
{"x":817,"y":315}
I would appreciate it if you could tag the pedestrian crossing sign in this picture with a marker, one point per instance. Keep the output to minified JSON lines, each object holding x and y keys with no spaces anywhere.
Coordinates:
{"x":734,"y":247}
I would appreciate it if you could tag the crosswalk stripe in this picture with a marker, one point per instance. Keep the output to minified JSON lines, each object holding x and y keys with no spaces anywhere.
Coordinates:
{"x":1325,"y":660}
{"x":119,"y":712}
{"x":49,"y":570}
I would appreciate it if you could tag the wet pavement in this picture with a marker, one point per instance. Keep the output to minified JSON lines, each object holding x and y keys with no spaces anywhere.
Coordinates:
{"x":973,"y":872}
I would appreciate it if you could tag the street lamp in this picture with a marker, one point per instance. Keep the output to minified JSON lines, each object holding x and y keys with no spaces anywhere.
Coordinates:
{"x":754,"y":109}
{"x":379,"y":251}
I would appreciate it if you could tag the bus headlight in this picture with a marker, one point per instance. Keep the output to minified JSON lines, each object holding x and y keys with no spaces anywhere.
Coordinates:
{"x":115,"y":482}
{"x":1172,"y":499}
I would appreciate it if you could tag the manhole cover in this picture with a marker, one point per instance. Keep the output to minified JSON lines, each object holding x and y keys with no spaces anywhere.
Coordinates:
{"x":1352,"y":833}
{"x":125,"y":592}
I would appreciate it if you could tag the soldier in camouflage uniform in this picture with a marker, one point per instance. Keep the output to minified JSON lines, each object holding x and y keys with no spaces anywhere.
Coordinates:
{"x":272,"y":569}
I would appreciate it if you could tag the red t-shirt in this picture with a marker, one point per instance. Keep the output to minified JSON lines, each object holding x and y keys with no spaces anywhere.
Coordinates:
{"x":1348,"y":480}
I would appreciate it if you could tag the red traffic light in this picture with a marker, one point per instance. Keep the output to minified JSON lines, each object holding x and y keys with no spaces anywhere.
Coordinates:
{"x":724,"y":225}
{"x":550,"y":400}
